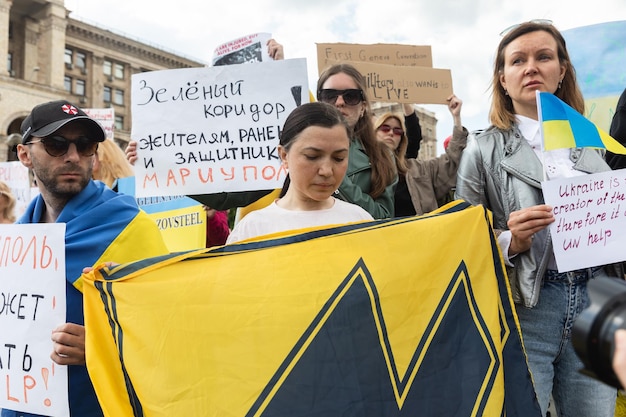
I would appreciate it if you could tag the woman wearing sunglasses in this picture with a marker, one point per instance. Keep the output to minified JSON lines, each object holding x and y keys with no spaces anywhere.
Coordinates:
{"x":421,"y":184}
{"x":502,"y":169}
{"x":370,"y":179}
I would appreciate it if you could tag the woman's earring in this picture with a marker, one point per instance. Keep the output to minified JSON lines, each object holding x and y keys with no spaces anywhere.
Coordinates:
{"x":560,"y":83}
{"x":506,"y":93}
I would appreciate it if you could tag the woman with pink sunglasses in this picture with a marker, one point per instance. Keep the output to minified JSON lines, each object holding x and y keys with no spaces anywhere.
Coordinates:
{"x":422,"y":183}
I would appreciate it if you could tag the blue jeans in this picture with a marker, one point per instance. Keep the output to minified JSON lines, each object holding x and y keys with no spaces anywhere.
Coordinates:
{"x":552,"y":360}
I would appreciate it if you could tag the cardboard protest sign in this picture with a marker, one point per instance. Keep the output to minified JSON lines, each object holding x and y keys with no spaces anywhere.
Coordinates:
{"x":32,"y":304}
{"x":15,"y":175}
{"x":206,"y":130}
{"x":379,"y":53}
{"x":247,"y":49}
{"x":401,"y":84}
{"x":590,"y":213}
{"x":106,"y":117}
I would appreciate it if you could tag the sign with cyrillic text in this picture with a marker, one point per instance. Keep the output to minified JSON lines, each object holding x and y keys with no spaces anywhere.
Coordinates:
{"x":590,"y":217}
{"x":213,"y":129}
{"x":106,"y":118}
{"x":32,"y":304}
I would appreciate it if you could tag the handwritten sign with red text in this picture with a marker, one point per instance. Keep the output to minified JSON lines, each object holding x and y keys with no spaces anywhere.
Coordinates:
{"x":15,"y":175}
{"x":207,"y":130}
{"x":32,"y":304}
{"x":590,"y":219}
{"x":106,"y":118}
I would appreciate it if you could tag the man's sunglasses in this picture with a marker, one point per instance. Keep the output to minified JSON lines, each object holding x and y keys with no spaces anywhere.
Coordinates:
{"x":396,"y":130}
{"x":351,"y":97}
{"x":58,"y":145}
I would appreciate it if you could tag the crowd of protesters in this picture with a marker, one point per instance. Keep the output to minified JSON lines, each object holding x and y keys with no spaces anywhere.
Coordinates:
{"x":343,"y":166}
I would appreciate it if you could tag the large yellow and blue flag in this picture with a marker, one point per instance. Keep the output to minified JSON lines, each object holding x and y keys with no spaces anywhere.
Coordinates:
{"x":397,"y":317}
{"x":564,"y":127}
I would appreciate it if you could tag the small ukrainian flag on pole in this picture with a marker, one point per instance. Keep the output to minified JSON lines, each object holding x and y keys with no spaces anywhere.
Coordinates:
{"x":564,"y":127}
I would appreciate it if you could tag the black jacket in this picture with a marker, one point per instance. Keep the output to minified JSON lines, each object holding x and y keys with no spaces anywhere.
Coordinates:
{"x":618,"y":132}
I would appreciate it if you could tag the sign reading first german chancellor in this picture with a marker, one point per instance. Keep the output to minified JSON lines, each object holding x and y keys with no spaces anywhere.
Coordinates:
{"x":213,"y":129}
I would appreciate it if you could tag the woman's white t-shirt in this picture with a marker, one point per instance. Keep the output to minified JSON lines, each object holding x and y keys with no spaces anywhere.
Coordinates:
{"x":273,"y":218}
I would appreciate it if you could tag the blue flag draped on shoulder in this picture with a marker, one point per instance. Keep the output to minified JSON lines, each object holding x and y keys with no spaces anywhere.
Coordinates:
{"x":564,"y":127}
{"x":101,"y":226}
{"x":398,"y":317}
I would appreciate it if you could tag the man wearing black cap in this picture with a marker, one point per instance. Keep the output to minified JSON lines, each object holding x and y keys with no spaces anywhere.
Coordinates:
{"x":61,"y":172}
{"x":59,"y":143}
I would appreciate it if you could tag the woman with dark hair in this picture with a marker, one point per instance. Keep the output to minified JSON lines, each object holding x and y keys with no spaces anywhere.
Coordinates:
{"x":502,"y":168}
{"x":371,"y":176}
{"x":314,"y":147}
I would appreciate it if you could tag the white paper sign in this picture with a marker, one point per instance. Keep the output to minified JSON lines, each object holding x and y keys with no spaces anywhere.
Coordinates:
{"x":32,"y":304}
{"x":106,"y":118}
{"x":590,"y":219}
{"x":15,"y":175}
{"x":245,"y":50}
{"x":213,"y":129}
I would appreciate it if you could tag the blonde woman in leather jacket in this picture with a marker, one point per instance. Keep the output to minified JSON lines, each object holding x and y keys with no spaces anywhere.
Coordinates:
{"x":501,"y":168}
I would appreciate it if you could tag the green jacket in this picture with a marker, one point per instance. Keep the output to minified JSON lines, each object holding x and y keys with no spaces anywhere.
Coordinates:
{"x":357,"y":183}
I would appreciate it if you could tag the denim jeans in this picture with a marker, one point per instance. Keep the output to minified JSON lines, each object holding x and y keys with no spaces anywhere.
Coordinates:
{"x":553,"y":363}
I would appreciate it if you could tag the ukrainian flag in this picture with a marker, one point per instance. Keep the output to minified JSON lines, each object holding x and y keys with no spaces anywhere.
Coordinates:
{"x":398,"y":317}
{"x":564,"y":127}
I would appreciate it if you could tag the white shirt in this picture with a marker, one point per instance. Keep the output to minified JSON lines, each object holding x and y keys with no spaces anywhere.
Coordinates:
{"x":273,"y":218}
{"x":557,"y":164}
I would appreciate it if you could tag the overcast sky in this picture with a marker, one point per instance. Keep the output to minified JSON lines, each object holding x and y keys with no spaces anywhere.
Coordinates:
{"x":463,"y":34}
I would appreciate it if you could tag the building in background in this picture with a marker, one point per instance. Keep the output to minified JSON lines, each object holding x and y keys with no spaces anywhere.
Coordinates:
{"x":52,"y":56}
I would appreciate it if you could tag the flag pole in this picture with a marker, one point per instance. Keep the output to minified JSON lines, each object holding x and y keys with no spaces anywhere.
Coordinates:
{"x":540,"y":118}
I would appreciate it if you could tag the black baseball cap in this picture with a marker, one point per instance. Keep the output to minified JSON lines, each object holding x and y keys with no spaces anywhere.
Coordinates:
{"x":47,"y":118}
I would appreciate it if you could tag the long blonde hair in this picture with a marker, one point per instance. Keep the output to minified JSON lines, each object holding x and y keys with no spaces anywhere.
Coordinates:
{"x":400,"y":151}
{"x":8,"y":213}
{"x":111,"y":163}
